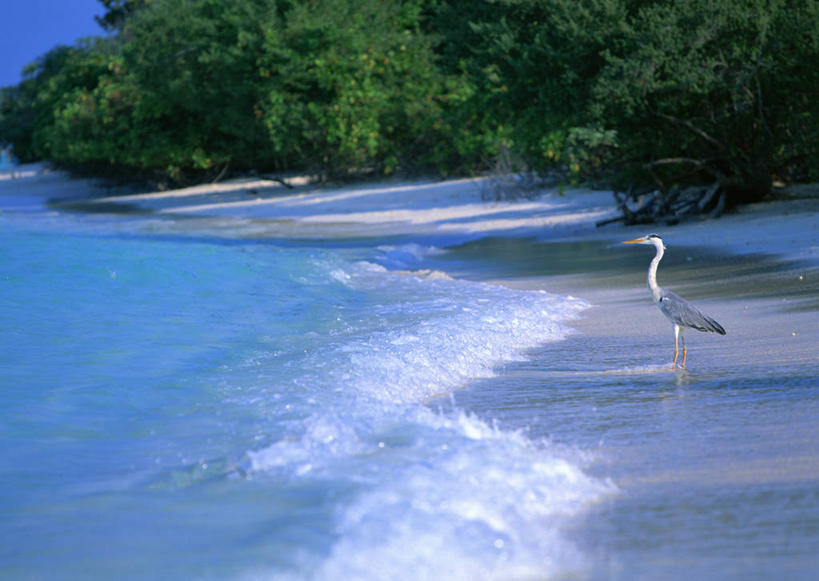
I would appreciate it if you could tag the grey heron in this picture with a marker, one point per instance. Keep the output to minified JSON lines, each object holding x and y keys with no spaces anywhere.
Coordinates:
{"x":679,"y":311}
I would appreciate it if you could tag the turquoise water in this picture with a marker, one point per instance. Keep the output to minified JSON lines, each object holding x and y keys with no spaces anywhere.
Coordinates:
{"x":183,"y":401}
{"x":182,"y":405}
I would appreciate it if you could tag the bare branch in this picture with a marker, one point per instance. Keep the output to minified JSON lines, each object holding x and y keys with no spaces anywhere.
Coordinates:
{"x":671,"y":160}
{"x":699,"y":163}
{"x":691,"y":127}
{"x":221,"y":173}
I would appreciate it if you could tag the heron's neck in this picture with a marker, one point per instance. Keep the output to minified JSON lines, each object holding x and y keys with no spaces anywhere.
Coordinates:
{"x":652,"y":272}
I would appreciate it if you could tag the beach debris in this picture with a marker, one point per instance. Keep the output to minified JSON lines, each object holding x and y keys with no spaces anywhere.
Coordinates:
{"x":511,"y":178}
{"x":655,"y":206}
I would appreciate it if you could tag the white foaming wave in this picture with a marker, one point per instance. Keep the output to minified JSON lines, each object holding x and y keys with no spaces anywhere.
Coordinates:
{"x":462,"y":500}
{"x":439,"y":495}
{"x":406,"y":256}
{"x":448,"y":333}
{"x":326,"y":438}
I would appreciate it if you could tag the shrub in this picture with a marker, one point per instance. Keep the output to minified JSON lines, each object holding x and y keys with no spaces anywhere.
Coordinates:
{"x":350,"y":85}
{"x":714,"y":90}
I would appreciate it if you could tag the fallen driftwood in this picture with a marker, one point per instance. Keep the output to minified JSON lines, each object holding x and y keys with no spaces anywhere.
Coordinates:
{"x":653,"y":206}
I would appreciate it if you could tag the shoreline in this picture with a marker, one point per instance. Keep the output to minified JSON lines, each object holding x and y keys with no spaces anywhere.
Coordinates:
{"x":756,"y":268}
{"x":767,"y":251}
{"x":694,"y":455}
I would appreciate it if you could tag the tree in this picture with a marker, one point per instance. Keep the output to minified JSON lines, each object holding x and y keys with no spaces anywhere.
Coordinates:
{"x":714,"y":90}
{"x":27,"y":112}
{"x":532,"y":65}
{"x":118,"y":12}
{"x":686,"y":93}
{"x":194,"y":64}
{"x":180,"y":93}
{"x":350,"y":85}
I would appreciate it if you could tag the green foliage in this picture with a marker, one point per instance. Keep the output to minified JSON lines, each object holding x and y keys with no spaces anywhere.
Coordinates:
{"x":710,"y":87}
{"x":118,"y":12}
{"x":348,"y":84}
{"x":476,"y":128}
{"x":66,"y":127}
{"x":192,"y":65}
{"x":542,"y":57}
{"x":28,"y":112}
{"x":17,"y":119}
{"x":669,"y":92}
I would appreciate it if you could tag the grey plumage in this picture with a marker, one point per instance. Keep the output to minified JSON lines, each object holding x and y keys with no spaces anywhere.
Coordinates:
{"x":679,"y":311}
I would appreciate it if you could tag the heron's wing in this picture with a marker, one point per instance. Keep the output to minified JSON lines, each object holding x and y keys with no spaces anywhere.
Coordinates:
{"x":683,"y":313}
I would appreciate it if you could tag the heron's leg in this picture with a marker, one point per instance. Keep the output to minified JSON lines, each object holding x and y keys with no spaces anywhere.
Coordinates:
{"x":676,"y":350}
{"x":682,"y":339}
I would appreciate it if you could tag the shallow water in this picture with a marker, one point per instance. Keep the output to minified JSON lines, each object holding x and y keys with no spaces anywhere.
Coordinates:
{"x":183,"y":402}
{"x":717,"y":467}
{"x":717,"y":473}
{"x":185,"y":405}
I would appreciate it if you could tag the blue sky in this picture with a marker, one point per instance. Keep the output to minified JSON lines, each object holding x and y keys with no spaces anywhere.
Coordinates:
{"x":30,"y":28}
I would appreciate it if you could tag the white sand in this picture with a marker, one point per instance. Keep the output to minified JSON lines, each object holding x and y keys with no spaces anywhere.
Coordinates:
{"x":788,"y":227}
{"x":766,"y":327}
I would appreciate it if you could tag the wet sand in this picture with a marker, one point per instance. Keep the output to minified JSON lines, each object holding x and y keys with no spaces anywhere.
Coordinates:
{"x":755,"y":270}
{"x":717,"y":465}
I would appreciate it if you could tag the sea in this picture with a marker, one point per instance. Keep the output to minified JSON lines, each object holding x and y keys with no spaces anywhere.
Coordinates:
{"x":183,"y":401}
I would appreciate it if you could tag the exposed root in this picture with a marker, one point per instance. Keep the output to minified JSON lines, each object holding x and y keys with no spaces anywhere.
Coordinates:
{"x":653,"y":206}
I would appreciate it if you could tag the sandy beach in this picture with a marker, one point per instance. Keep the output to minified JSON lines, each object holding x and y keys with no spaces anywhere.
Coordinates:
{"x":784,"y":231}
{"x":756,"y":268}
{"x":694,"y":454}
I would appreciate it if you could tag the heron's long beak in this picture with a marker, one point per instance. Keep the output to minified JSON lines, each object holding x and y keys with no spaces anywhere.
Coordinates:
{"x":635,"y":241}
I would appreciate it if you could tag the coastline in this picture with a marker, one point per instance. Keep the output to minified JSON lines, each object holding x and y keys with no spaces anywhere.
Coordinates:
{"x":733,"y":435}
{"x":756,"y":269}
{"x":762,"y":258}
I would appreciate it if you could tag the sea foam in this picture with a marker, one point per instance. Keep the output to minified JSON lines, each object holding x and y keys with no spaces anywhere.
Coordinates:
{"x":439,"y":334}
{"x":440,"y":495}
{"x":437,"y":494}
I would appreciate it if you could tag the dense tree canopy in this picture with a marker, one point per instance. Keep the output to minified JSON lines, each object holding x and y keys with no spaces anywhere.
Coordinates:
{"x":640,"y":90}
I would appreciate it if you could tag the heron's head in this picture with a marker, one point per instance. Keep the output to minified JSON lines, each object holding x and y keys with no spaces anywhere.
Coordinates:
{"x":650,"y":239}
